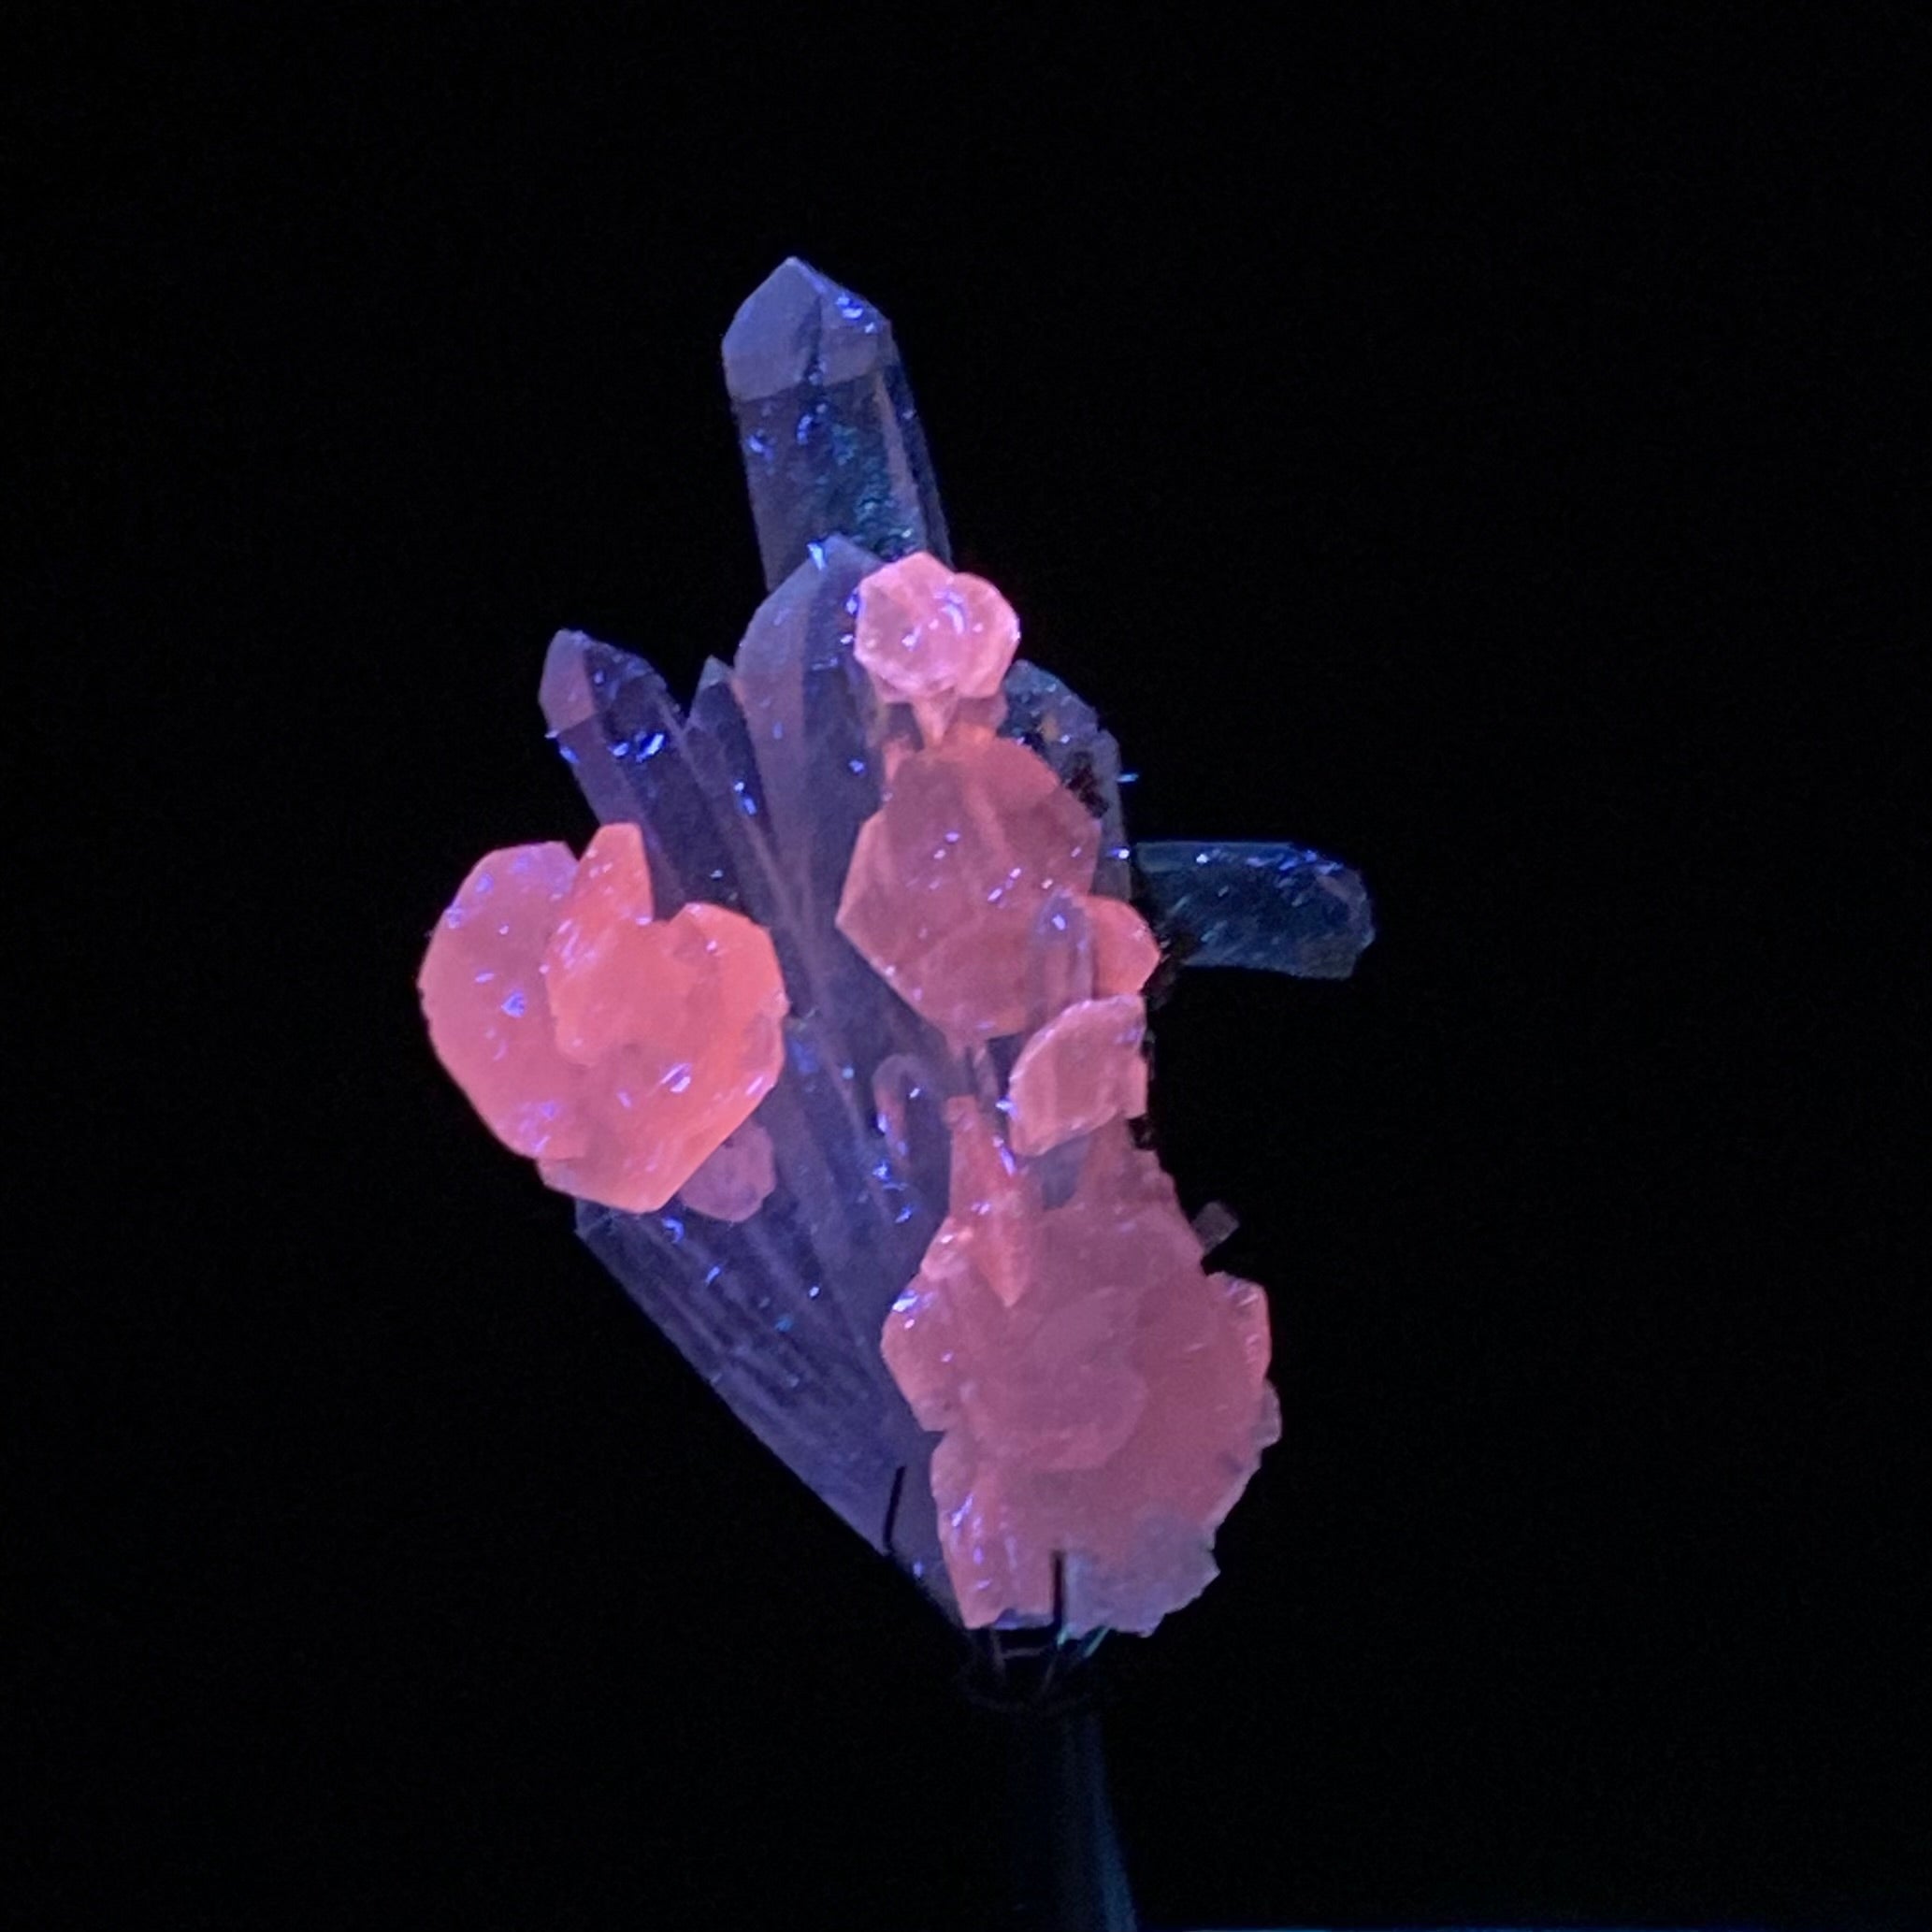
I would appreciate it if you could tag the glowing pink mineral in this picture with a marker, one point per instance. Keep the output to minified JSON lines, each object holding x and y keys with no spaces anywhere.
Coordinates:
{"x":1125,"y":953}
{"x":617,"y":1049}
{"x":1100,"y":1396}
{"x":1081,"y":1070}
{"x":737,"y":1180}
{"x":929,"y":637}
{"x":948,"y":876}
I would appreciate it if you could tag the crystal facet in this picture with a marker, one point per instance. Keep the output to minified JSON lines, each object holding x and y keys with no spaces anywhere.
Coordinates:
{"x":1081,"y":1070}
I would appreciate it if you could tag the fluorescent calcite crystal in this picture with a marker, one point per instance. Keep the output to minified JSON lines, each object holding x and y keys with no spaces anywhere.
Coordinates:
{"x":948,"y":877}
{"x":736,"y":1180}
{"x":1125,"y":951}
{"x":489,"y":1014}
{"x":619,"y":1050}
{"x":928,"y":638}
{"x":837,"y":1030}
{"x":1082,"y":1069}
{"x":1102,"y":1400}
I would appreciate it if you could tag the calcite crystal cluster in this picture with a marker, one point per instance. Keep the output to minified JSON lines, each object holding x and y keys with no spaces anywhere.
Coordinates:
{"x":837,"y":1031}
{"x":621,"y":1052}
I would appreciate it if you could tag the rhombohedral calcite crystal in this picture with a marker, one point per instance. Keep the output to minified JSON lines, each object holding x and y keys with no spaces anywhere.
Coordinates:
{"x":837,"y":1030}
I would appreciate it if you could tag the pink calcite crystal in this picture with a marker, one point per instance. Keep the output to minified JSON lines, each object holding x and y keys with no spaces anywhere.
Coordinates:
{"x":735,"y":1181}
{"x":928,"y":638}
{"x":1100,"y":1396}
{"x":618,"y":1051}
{"x":489,"y":1018}
{"x":948,"y":877}
{"x":1081,"y":1070}
{"x":1125,"y":953}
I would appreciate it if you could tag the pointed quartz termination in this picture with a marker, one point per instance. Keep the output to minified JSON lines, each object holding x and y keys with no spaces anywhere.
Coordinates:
{"x":830,"y":439}
{"x":1271,"y":908}
{"x":624,"y":737}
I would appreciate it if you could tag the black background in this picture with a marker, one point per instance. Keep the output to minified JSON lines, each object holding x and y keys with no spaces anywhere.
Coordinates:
{"x":1483,"y":446}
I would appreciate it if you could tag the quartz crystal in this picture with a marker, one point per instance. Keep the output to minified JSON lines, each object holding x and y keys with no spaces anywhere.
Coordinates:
{"x":831,"y":442}
{"x":838,"y":1031}
{"x":1275,"y":908}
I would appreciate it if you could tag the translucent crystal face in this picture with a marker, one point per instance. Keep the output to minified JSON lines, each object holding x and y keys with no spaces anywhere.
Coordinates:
{"x":837,"y":1030}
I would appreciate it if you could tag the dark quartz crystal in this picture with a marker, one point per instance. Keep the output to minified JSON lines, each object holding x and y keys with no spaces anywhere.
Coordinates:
{"x":830,"y":439}
{"x":1271,"y":907}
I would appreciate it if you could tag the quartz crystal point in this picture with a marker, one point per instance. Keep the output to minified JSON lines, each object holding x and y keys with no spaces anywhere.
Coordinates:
{"x":917,"y":1248}
{"x":1273,"y":908}
{"x":830,"y":439}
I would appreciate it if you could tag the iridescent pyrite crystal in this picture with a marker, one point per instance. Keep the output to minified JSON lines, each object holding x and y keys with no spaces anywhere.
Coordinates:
{"x":837,"y":1030}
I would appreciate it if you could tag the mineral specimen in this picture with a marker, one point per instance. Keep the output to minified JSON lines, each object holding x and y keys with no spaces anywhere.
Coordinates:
{"x":837,"y":1031}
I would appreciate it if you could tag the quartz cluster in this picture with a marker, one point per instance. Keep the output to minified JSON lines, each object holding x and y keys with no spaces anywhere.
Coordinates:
{"x":838,"y":1031}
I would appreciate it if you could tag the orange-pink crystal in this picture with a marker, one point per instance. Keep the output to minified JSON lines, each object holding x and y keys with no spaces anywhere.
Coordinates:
{"x":948,"y":876}
{"x":1099,"y":1394}
{"x":929,"y":637}
{"x":617,"y":1049}
{"x":733,"y":1182}
{"x":1082,"y":1069}
{"x":489,"y":1017}
{"x":1125,"y":952}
